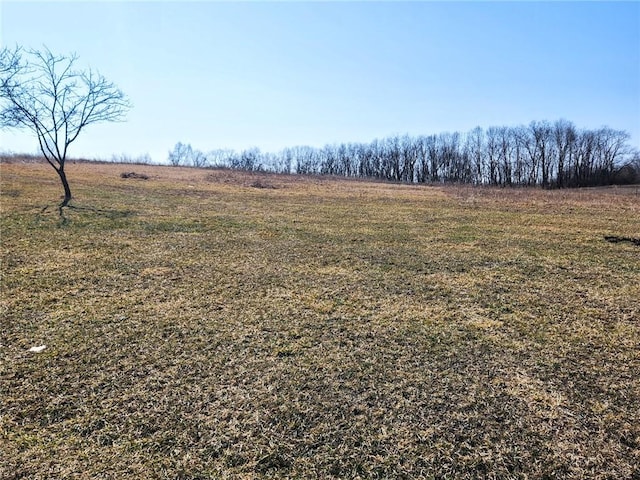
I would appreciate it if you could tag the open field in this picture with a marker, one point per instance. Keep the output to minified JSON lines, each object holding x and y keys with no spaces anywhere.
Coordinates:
{"x":213,"y":324}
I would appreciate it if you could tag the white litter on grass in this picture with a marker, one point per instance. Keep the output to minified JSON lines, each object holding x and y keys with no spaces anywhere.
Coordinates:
{"x":38,"y":349}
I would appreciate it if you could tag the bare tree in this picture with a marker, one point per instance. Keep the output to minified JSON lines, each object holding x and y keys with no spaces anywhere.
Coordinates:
{"x":306,"y":159}
{"x":431,"y":143}
{"x":409,"y":156}
{"x":505,"y":154}
{"x":284,"y":161}
{"x":220,"y":157}
{"x":477,"y":152}
{"x":181,"y":154}
{"x":612,"y":146}
{"x":423,"y":159}
{"x":629,"y":172}
{"x":493,"y":152}
{"x":250,"y":159}
{"x":541,"y":133}
{"x":45,"y":94}
{"x":564,"y":133}
{"x":198,"y":159}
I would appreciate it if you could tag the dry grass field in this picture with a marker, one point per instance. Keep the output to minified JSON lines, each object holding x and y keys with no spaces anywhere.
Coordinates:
{"x":205,"y":324}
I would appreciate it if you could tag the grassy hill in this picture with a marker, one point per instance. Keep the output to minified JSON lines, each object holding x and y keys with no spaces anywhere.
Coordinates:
{"x":215,"y":324}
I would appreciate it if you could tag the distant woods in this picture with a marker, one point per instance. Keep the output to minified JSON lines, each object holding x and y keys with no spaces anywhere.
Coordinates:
{"x":541,"y":154}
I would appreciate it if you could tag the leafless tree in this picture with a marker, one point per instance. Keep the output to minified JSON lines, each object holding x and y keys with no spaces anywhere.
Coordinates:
{"x":284,"y":161}
{"x":306,"y":159}
{"x":477,"y":152}
{"x":45,"y":94}
{"x":220,"y":157}
{"x":249,"y":159}
{"x":181,"y":154}
{"x":541,"y":132}
{"x":493,"y":152}
{"x":422,"y":167}
{"x":505,"y":154}
{"x":393,"y":170}
{"x":431,"y":143}
{"x":409,"y":153}
{"x":583,"y":158}
{"x":629,"y":172}
{"x":198,"y":159}
{"x":564,"y":133}
{"x":612,"y":146}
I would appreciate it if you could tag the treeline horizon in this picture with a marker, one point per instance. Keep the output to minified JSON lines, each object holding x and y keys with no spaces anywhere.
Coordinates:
{"x":542,"y":153}
{"x":545,"y":154}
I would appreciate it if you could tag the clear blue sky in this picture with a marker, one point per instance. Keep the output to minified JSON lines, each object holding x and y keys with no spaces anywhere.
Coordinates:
{"x":276,"y":74}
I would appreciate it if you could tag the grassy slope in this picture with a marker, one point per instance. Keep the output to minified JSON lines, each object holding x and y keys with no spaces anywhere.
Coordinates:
{"x":203,"y":328}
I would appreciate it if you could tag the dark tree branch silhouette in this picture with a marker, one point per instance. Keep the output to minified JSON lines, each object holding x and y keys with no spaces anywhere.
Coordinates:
{"x":45,"y":94}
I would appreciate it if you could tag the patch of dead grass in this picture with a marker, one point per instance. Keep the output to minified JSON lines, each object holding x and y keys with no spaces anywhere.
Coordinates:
{"x":322,"y":329}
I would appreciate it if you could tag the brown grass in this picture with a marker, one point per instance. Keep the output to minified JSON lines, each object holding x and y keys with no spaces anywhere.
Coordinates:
{"x":214,"y":324}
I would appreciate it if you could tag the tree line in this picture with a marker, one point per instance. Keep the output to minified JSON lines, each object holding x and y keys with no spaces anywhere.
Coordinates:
{"x":547,"y":154}
{"x":45,"y":94}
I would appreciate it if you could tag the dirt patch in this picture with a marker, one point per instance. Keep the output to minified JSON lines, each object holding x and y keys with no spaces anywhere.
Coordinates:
{"x":138,"y":176}
{"x":262,"y":184}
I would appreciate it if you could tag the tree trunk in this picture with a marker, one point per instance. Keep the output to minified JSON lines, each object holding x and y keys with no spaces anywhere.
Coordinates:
{"x":65,"y":184}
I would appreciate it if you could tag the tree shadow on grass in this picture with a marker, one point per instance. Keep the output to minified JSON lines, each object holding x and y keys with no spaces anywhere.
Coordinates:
{"x":112,"y":214}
